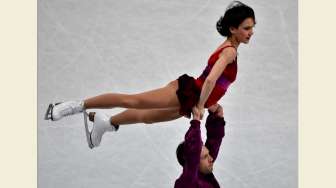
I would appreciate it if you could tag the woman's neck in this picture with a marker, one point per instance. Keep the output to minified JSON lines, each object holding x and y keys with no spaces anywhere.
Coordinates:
{"x":233,"y":41}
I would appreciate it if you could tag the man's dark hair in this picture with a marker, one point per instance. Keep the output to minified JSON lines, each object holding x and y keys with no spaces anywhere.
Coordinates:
{"x":180,"y":153}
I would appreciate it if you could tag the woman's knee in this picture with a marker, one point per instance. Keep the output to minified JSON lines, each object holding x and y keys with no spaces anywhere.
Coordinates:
{"x":145,"y":117}
{"x":159,"y":115}
{"x":130,"y":101}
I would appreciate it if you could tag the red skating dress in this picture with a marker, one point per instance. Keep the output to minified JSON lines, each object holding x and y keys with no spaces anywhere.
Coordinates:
{"x":226,"y":78}
{"x":190,"y":89}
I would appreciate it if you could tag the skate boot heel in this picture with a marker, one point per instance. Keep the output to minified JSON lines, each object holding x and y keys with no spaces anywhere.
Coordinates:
{"x":101,"y":125}
{"x":87,"y":131}
{"x":91,"y":116}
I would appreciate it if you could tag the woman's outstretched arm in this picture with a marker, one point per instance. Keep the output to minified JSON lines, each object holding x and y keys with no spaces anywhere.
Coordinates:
{"x":226,"y":57}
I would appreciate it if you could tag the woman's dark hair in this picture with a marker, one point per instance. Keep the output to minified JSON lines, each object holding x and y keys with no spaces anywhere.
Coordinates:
{"x":234,"y":15}
{"x":179,"y":153}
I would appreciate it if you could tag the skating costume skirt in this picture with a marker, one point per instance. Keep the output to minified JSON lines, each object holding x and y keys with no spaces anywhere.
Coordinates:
{"x":188,"y":94}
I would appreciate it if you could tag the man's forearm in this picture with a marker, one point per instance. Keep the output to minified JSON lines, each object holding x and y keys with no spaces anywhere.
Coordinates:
{"x":192,"y":150}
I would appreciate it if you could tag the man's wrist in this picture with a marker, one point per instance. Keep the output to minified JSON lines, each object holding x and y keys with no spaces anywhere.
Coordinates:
{"x":196,"y":118}
{"x":195,"y":122}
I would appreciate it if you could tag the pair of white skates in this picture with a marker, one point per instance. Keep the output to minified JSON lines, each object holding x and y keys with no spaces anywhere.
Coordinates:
{"x":101,"y":122}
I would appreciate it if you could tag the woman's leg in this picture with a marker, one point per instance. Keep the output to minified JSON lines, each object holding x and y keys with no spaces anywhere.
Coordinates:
{"x":130,"y":116}
{"x":148,"y":116}
{"x":164,"y":97}
{"x":159,"y":98}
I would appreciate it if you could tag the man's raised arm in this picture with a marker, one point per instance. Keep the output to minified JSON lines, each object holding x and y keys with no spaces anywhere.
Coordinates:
{"x":215,"y":133}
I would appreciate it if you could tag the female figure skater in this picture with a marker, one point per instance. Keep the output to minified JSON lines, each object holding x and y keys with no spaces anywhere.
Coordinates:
{"x":180,"y":97}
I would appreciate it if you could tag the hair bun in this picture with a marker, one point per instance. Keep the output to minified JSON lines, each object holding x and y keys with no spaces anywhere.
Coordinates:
{"x":234,"y":4}
{"x":222,"y":26}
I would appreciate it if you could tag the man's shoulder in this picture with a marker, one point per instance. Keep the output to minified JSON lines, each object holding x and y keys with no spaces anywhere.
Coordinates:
{"x":212,"y":180}
{"x":184,"y":182}
{"x":204,"y":181}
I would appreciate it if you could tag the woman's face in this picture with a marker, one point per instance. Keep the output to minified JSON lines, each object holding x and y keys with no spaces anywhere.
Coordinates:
{"x":244,"y":31}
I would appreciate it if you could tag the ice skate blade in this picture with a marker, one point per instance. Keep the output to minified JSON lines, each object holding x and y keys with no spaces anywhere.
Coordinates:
{"x":48,"y":114}
{"x":87,"y":131}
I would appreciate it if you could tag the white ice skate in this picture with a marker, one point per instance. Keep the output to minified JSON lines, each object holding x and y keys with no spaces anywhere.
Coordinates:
{"x":101,"y":124}
{"x":59,"y":110}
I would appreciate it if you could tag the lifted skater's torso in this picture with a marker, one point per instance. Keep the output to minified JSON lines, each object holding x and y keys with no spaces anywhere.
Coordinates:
{"x":226,"y":78}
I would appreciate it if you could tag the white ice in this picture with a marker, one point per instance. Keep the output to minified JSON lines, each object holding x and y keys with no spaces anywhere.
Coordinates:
{"x":90,"y":47}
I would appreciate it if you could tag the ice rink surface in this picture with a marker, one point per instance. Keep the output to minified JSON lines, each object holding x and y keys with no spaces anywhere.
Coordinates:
{"x":86,"y":48}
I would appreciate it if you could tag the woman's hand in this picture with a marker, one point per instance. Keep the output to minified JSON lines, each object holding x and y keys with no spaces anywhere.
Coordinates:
{"x":201,"y":110}
{"x":198,"y":112}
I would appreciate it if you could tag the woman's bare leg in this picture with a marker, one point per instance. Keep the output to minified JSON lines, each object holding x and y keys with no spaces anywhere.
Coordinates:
{"x":148,"y":116}
{"x":129,"y":116}
{"x":164,"y":97}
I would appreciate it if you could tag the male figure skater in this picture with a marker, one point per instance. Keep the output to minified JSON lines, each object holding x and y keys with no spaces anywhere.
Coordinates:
{"x":197,"y":159}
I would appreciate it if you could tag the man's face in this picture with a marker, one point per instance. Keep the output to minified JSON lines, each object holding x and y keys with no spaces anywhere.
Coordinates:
{"x":206,"y":162}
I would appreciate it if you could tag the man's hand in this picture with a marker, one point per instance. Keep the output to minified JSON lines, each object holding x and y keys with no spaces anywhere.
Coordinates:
{"x":198,"y":113}
{"x":219,"y":112}
{"x":217,"y":109}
